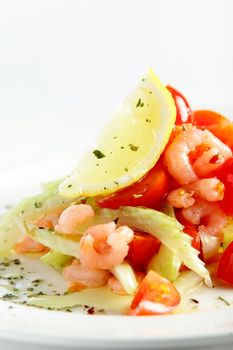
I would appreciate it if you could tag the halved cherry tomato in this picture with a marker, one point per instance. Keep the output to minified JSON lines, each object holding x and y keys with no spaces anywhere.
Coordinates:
{"x":155,"y":296}
{"x":216,"y":123}
{"x":142,"y":248}
{"x":148,"y":192}
{"x":225,"y":267}
{"x":225,"y":174}
{"x":183,"y":110}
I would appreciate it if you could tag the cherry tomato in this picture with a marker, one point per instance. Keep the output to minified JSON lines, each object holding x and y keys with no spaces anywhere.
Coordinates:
{"x":142,"y":248}
{"x":183,"y":110}
{"x":147,"y":192}
{"x":225,"y":267}
{"x":220,"y":126}
{"x":225,"y":174}
{"x":155,"y":296}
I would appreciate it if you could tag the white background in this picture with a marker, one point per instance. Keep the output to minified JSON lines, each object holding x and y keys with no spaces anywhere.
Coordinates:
{"x":67,"y":64}
{"x":63,"y":57}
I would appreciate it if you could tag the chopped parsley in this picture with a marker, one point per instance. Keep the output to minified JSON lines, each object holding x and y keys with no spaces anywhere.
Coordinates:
{"x":126,"y":169}
{"x":148,"y":120}
{"x":194,"y":300}
{"x":115,"y":182}
{"x":8,"y":296}
{"x":133,"y":147}
{"x":139,"y":103}
{"x":224,"y":300}
{"x":38,"y":205}
{"x":70,"y":185}
{"x":98,"y":154}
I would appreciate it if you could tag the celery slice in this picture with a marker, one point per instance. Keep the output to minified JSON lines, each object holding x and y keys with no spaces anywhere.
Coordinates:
{"x":100,"y":298}
{"x":168,"y":230}
{"x":65,"y":244}
{"x":56,"y":260}
{"x":187,"y":282}
{"x":166,"y":263}
{"x":126,"y":276}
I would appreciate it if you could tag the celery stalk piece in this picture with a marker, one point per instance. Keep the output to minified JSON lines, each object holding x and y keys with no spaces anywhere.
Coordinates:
{"x":29,"y":209}
{"x":100,"y":298}
{"x":168,"y":230}
{"x":56,"y":260}
{"x":126,"y":276}
{"x":166,"y":263}
{"x":187,"y":282}
{"x":65,"y":244}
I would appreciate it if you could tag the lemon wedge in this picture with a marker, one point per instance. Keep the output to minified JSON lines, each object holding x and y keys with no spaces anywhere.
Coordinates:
{"x":129,"y":145}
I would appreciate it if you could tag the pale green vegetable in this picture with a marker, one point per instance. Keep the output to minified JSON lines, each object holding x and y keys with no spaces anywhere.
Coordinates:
{"x":166,"y":263}
{"x":168,"y":230}
{"x":65,"y":244}
{"x":126,"y":276}
{"x":56,"y":260}
{"x":228,"y":233}
{"x":100,"y":298}
{"x":29,"y":209}
{"x":187,"y":282}
{"x":10,"y":232}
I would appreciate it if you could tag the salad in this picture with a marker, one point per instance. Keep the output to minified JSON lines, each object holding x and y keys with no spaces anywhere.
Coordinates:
{"x":144,"y":218}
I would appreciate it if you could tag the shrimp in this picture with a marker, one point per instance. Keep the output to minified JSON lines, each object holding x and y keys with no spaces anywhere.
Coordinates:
{"x":104,"y":246}
{"x":115,"y":286}
{"x":212,"y":215}
{"x":210,"y":189}
{"x":177,"y":155}
{"x":181,"y":198}
{"x":27,"y":245}
{"x":78,"y":276}
{"x":72,"y":216}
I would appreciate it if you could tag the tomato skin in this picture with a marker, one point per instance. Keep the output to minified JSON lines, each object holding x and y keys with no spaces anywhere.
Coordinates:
{"x":148,"y":192}
{"x":220,"y":126}
{"x":225,"y":174}
{"x":225,"y":267}
{"x":183,"y":110}
{"x":142,"y":248}
{"x":155,"y":296}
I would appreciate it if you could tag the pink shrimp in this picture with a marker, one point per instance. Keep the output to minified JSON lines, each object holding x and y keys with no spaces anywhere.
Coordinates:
{"x":27,"y":245}
{"x":78,"y":276}
{"x":208,"y":213}
{"x":181,"y":198}
{"x":177,"y":155}
{"x":210,"y":189}
{"x":103,"y":246}
{"x":115,"y":286}
{"x":72,"y":216}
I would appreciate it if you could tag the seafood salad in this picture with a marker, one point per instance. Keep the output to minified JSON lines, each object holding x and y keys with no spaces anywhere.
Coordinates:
{"x":145,"y":216}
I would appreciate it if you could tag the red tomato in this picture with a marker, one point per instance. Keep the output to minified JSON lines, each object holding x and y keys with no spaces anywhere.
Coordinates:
{"x":142,"y":248}
{"x":155,"y":296}
{"x":183,"y":110}
{"x":225,"y":267}
{"x":191,"y":230}
{"x":225,"y":174}
{"x":147,"y":192}
{"x":216,"y":123}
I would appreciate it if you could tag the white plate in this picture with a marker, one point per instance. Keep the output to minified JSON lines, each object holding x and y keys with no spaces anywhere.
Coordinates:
{"x":42,"y":159}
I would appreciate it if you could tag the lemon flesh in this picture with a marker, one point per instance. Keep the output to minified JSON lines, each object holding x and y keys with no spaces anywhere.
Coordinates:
{"x":129,"y":145}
